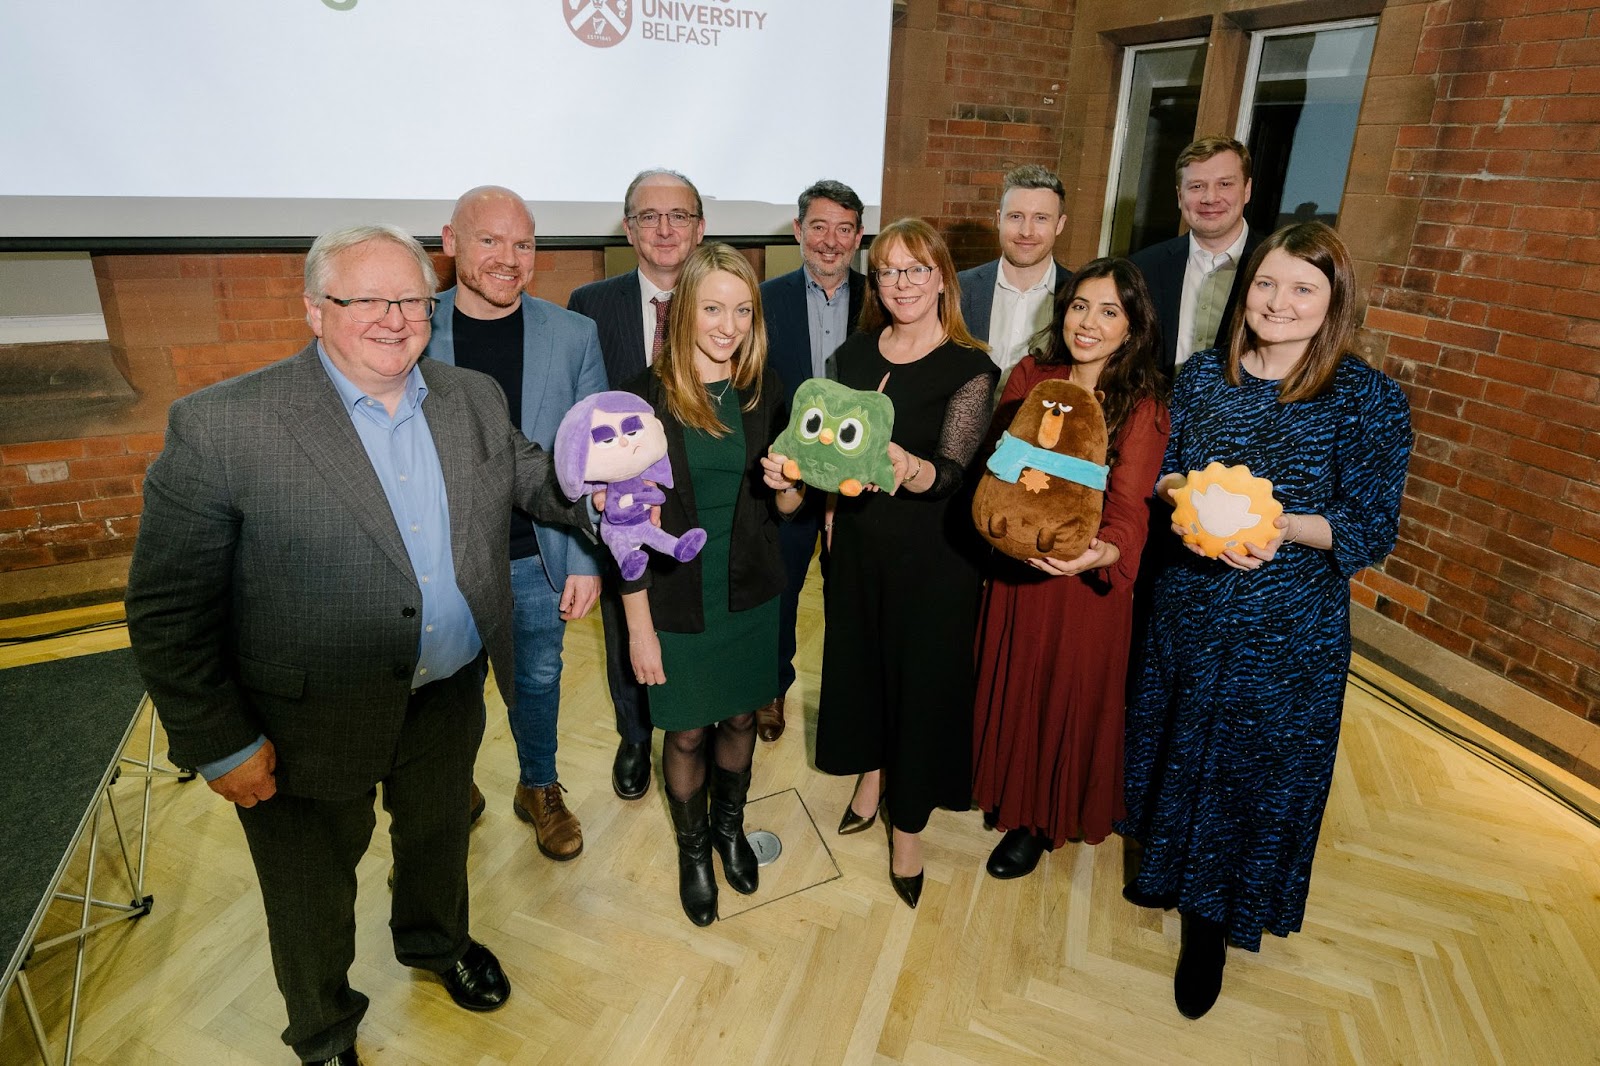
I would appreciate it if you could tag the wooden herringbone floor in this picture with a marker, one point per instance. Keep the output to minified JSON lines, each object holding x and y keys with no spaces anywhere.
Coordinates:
{"x":1453,"y":919}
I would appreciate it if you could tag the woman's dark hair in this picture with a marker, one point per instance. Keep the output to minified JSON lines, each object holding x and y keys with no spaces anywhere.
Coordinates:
{"x":1315,"y":243}
{"x":1131,"y":373}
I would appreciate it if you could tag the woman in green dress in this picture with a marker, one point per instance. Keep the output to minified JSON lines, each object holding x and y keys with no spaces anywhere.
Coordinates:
{"x":704,"y":633}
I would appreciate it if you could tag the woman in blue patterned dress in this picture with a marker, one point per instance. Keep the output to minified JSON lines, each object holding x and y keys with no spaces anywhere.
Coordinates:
{"x":1234,"y":720}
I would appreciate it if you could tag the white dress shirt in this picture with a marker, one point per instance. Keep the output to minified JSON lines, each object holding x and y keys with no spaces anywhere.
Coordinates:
{"x":1017,"y":315}
{"x":1201,"y":265}
{"x":648,"y":292}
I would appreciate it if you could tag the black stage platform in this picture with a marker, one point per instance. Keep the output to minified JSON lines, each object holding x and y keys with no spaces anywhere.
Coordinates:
{"x":63,"y":727}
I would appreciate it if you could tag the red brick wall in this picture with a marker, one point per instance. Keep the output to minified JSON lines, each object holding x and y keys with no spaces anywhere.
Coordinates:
{"x":176,"y":323}
{"x":1493,"y":325}
{"x":974,"y":90}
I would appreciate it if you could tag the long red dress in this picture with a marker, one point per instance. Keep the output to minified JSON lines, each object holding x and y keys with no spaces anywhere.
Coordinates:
{"x":1052,"y":656}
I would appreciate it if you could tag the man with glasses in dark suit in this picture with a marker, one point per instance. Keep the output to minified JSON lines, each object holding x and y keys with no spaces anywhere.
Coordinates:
{"x":664,"y":220}
{"x":319,"y":580}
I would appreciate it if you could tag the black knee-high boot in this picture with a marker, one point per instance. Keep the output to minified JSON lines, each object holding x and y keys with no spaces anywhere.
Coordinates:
{"x":697,"y":885}
{"x":728,"y":793}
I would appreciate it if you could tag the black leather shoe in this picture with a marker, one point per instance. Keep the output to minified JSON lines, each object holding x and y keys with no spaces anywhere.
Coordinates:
{"x":728,"y":793}
{"x":477,"y":805}
{"x":1198,"y":979}
{"x":477,"y":982}
{"x":347,"y":1057}
{"x":909,"y":889}
{"x":853,"y":822}
{"x":697,"y":885}
{"x":630,"y":770}
{"x":1016,"y":855}
{"x":1161,"y":902}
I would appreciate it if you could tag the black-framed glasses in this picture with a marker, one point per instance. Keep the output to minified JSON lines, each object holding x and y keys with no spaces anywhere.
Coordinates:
{"x":376,"y":309}
{"x":916,"y":275}
{"x":652,"y":219}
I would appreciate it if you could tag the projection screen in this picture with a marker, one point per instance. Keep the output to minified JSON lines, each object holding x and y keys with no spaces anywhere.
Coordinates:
{"x":283,"y":118}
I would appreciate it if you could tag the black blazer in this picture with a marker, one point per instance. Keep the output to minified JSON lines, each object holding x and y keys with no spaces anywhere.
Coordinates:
{"x":614,"y":305}
{"x":1163,"y":266}
{"x":755,"y":569}
{"x":783,"y":305}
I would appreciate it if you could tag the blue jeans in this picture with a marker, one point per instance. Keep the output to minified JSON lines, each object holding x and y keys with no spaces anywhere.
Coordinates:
{"x":537,"y":631}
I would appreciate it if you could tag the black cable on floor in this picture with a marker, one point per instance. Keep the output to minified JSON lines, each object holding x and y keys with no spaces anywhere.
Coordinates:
{"x":1471,"y":744}
{"x":88,"y":627}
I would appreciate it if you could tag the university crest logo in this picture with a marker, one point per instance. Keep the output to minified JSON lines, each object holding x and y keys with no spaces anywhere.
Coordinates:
{"x":601,"y":23}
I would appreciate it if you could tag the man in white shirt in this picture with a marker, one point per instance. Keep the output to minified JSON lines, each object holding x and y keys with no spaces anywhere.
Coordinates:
{"x":1194,"y":279}
{"x":664,"y":219}
{"x":1008,"y":301}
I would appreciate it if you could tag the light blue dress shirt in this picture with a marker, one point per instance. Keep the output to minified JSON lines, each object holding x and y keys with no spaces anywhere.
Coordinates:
{"x":829,"y":320}
{"x":401,"y":450}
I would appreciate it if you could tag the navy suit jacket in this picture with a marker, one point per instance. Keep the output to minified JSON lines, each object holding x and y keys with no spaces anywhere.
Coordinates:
{"x":783,"y":305}
{"x":561,"y":365}
{"x":977,"y":294}
{"x":1163,"y":266}
{"x":613,"y":304}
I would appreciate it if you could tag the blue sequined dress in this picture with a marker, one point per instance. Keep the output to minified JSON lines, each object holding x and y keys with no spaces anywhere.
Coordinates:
{"x":1233,"y":721}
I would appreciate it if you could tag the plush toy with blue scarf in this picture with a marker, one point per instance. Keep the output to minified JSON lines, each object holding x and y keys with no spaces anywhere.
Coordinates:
{"x":1041,"y":493}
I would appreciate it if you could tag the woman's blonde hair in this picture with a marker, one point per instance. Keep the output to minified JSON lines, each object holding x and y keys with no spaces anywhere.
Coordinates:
{"x":686,"y":394}
{"x":922,"y":243}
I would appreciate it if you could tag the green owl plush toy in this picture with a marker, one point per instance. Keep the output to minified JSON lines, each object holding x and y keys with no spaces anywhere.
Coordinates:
{"x":837,"y":439}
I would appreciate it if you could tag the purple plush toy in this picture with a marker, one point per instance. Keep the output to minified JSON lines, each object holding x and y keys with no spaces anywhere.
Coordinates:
{"x":614,"y":441}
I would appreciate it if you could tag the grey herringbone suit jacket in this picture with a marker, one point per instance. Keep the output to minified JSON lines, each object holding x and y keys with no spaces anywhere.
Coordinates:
{"x":270,"y":591}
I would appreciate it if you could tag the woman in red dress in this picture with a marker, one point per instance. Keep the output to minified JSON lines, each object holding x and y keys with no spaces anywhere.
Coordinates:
{"x":1052,"y":649}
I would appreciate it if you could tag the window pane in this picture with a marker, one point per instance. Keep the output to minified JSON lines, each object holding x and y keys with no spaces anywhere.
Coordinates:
{"x":1163,"y":96}
{"x":1303,"y":122}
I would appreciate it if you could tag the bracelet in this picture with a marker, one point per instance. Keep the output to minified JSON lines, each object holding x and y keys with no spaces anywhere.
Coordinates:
{"x":827,"y":527}
{"x":917,"y":472}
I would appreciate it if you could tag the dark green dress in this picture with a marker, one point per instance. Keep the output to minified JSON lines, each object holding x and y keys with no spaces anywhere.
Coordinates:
{"x":732,"y":667}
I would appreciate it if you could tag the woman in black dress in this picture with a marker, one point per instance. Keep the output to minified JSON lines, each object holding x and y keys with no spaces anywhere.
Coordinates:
{"x":897,"y":677}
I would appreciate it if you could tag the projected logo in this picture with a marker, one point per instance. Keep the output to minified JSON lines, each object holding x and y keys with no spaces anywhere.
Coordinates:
{"x":601,"y":23}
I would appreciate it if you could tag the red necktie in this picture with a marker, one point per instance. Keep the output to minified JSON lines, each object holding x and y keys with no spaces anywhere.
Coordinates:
{"x":662,"y":303}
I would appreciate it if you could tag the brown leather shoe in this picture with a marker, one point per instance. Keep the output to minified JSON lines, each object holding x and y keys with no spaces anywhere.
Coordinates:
{"x":556,"y":828}
{"x":769,"y":720}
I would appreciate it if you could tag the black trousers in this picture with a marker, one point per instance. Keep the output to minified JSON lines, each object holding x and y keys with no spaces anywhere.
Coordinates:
{"x":630,"y":699}
{"x":797,"y":541}
{"x":305,"y":852}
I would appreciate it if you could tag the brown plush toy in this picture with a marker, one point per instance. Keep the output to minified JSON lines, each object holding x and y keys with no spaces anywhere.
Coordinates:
{"x":1041,"y":494}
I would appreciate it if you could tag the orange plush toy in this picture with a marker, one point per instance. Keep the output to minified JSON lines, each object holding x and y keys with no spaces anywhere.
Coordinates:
{"x":1042,"y":492}
{"x":1222,"y":508}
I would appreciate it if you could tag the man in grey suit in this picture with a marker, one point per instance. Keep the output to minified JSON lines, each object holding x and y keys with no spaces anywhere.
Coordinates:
{"x":664,"y":218}
{"x":809,"y":312}
{"x":1007,"y":301}
{"x":545,"y":359}
{"x":319,"y":577}
{"x":1194,"y":278}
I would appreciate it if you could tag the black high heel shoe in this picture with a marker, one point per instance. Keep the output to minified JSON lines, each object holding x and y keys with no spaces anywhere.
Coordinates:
{"x":909,"y":889}
{"x":853,"y":822}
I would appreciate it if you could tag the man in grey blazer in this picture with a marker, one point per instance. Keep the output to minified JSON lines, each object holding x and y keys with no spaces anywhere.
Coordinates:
{"x":664,"y":219}
{"x":1007,"y":301}
{"x":808,"y":313}
{"x":545,"y":359}
{"x":319,"y":577}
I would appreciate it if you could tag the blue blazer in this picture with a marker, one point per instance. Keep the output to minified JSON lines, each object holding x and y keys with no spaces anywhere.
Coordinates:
{"x":977,"y":294}
{"x":1163,"y":266}
{"x":613,"y":305}
{"x":561,"y":365}
{"x":783,"y":305}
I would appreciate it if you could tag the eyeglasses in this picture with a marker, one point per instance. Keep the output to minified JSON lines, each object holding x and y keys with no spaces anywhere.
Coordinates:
{"x":916,"y":275}
{"x":652,"y":219}
{"x":374,"y":309}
